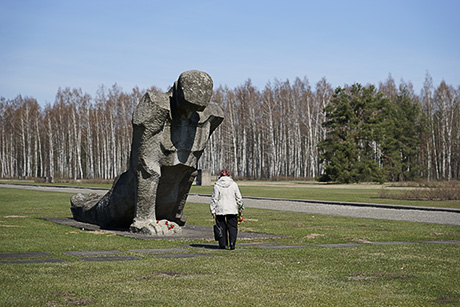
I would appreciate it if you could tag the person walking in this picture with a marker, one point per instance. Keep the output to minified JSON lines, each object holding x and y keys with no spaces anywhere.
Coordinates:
{"x":226,"y":201}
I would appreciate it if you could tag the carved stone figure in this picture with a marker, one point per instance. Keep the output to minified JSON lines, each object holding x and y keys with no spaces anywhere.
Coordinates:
{"x":170,"y":132}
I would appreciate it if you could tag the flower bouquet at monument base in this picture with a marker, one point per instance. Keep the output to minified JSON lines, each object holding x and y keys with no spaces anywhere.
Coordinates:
{"x":240,"y":212}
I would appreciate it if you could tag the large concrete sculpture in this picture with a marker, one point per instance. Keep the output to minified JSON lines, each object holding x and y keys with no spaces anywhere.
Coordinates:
{"x":170,"y":132}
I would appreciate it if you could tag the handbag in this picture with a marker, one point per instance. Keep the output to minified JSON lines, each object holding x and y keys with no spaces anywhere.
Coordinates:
{"x":218,"y":233}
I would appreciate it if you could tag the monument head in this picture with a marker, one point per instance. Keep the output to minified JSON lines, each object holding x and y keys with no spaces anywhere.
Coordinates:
{"x":192,"y":92}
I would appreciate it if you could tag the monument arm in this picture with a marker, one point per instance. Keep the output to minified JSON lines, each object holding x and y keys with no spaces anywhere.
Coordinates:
{"x":152,"y":112}
{"x":149,"y":119}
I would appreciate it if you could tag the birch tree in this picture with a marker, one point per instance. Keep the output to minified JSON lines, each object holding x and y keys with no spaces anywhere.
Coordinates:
{"x":427,"y":104}
{"x":444,"y":100}
{"x":322,"y":96}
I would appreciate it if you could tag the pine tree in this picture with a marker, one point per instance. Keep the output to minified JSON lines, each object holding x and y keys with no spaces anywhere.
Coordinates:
{"x":348,"y":152}
{"x":404,"y":127}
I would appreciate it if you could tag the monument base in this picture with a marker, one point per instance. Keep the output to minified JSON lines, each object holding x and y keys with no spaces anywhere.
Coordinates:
{"x":158,"y":228}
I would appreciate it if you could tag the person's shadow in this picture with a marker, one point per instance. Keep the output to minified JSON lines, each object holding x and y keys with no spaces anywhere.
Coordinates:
{"x":207,"y":246}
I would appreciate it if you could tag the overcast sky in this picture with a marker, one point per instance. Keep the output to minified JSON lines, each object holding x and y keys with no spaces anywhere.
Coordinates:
{"x":83,"y":44}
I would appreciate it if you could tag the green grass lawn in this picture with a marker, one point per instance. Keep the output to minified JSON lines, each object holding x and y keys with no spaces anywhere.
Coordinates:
{"x":419,"y":274}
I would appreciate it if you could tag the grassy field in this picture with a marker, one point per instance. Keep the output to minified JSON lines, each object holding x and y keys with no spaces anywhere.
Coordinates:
{"x":420,"y":274}
{"x":364,"y":193}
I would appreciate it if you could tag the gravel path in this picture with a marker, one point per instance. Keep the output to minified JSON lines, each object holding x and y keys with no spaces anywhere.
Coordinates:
{"x":376,"y":211}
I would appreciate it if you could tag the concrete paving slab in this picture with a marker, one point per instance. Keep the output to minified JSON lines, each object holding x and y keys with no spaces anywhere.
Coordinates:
{"x":392,"y":243}
{"x":443,"y":242}
{"x":258,"y":243}
{"x":39,"y":260}
{"x":92,"y":253}
{"x":187,"y":255}
{"x":282,"y":246}
{"x":110,"y":258}
{"x":338,"y":245}
{"x":24,"y":255}
{"x":159,"y":250}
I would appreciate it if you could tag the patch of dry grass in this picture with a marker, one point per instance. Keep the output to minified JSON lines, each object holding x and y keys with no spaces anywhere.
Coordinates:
{"x":426,"y":190}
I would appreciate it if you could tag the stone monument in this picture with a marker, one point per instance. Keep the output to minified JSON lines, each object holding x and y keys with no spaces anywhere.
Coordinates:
{"x":170,"y":132}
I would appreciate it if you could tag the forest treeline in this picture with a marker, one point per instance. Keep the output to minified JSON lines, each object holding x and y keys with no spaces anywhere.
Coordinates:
{"x":288,"y":129}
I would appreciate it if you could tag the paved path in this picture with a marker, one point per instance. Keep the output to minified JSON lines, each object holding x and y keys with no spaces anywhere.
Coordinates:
{"x":376,"y":211}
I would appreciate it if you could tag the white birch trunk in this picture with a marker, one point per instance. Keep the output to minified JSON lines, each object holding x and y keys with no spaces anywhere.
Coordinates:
{"x":271,"y":135}
{"x":89,"y":142}
{"x":51,"y":149}
{"x":24,"y":153}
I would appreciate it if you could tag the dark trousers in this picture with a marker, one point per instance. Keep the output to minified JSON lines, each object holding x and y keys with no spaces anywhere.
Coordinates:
{"x":229,"y":224}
